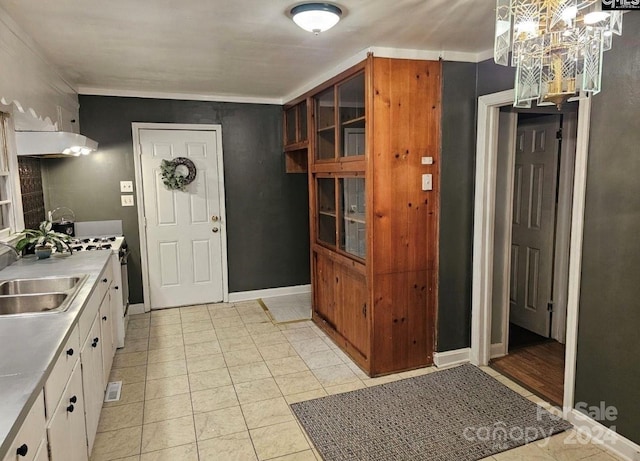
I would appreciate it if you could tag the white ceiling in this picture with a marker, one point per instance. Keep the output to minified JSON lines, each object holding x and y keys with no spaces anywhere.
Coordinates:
{"x":234,"y":48}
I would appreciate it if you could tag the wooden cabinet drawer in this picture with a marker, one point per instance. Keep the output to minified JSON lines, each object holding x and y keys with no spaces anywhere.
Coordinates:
{"x":61,"y":371}
{"x":25,"y":445}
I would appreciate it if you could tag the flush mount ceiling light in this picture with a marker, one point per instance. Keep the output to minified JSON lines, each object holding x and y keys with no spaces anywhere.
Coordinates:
{"x":316,"y":17}
{"x":556,"y":47}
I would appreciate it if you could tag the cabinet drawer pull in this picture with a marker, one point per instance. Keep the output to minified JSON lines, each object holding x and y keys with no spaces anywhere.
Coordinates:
{"x":104,"y":318}
{"x":22,"y":450}
{"x":70,"y":408}
{"x":116,"y":288}
{"x":73,"y":399}
{"x":95,"y":342}
{"x":70,"y":351}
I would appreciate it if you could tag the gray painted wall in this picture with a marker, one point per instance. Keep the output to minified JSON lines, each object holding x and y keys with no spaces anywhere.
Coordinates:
{"x":608,"y":366}
{"x":457,"y":171}
{"x":267,"y":209}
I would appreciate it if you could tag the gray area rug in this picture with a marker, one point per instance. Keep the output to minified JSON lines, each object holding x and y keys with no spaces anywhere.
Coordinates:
{"x":456,"y":414}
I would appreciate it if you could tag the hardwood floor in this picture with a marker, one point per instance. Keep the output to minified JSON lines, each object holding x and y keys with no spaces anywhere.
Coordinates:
{"x":539,"y":368}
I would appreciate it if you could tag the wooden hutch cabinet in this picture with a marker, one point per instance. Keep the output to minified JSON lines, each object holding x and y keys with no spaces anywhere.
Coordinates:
{"x":374,"y":131}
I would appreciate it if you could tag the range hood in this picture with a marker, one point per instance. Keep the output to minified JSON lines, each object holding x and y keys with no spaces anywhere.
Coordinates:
{"x":53,"y":144}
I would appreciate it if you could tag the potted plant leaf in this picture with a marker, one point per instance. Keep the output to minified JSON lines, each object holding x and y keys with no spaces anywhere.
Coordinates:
{"x":44,"y":239}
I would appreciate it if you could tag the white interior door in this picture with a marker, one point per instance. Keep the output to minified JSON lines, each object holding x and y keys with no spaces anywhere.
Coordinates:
{"x":533,"y":229}
{"x":183,"y":229}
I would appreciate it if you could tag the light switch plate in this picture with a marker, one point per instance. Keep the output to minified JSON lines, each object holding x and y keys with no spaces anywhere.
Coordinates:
{"x":427,"y":160}
{"x":427,"y":182}
{"x":127,"y":200}
{"x":126,"y":186}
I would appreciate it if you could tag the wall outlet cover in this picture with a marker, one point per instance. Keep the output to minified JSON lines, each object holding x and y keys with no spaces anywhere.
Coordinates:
{"x":127,"y":200}
{"x":126,"y":186}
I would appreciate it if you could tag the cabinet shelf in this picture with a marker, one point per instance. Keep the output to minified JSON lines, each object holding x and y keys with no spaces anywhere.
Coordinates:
{"x":325,"y":129}
{"x":359,"y":218}
{"x":353,"y":121}
{"x":327,"y":213}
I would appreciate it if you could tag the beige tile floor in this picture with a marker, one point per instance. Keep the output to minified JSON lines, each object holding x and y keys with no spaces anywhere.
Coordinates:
{"x":214,"y":383}
{"x":289,"y":308}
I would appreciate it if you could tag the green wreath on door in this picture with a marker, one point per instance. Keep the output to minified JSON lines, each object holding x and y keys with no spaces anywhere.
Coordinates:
{"x":178,"y":173}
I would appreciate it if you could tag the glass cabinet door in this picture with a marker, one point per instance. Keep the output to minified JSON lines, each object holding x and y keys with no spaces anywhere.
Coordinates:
{"x":352,"y":216}
{"x":325,"y":125}
{"x":326,"y":196}
{"x":352,"y":116}
{"x":302,"y":121}
{"x":290,"y":126}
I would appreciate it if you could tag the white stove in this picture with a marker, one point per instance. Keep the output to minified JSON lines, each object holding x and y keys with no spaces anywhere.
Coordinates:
{"x":117,"y":245}
{"x":113,"y":243}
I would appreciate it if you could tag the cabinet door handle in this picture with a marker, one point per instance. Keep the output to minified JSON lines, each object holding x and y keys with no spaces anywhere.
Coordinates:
{"x":116,"y":288}
{"x":73,"y":399}
{"x":95,"y":342}
{"x":22,"y":450}
{"x":105,"y":280}
{"x":104,"y":318}
{"x":364,"y":309}
{"x":70,"y":408}
{"x":70,"y":351}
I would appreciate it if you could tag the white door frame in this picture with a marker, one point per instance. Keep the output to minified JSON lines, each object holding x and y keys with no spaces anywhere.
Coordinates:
{"x":483,"y":234}
{"x":562,"y":233}
{"x":142,"y":228}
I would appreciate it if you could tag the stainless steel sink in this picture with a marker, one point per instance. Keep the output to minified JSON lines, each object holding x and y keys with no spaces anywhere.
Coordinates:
{"x":25,"y":304}
{"x":38,"y":296}
{"x":44,"y":285}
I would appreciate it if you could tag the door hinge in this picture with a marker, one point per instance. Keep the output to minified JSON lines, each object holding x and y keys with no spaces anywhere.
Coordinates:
{"x":549,"y":307}
{"x":559,"y":134}
{"x":364,"y":309}
{"x":145,"y":221}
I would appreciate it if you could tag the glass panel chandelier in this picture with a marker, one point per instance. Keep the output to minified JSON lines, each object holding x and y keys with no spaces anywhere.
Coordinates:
{"x":556,"y":47}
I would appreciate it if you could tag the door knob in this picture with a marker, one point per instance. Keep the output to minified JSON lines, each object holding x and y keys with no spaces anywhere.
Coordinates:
{"x":214,"y":230}
{"x":214,"y":218}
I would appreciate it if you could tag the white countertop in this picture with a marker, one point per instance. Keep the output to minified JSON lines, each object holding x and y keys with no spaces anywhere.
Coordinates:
{"x":30,"y":343}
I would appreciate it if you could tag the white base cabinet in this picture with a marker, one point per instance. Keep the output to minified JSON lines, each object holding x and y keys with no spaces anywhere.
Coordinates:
{"x":30,"y":436}
{"x":62,"y":423}
{"x":67,"y":432}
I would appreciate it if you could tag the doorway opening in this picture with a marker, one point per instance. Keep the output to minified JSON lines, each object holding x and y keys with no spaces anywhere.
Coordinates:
{"x":533,"y":195}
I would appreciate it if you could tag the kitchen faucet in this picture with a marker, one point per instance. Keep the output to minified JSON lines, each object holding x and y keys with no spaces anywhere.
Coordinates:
{"x":11,"y":248}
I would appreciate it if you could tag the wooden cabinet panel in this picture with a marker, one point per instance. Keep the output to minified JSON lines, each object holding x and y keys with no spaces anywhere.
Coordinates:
{"x":405,"y":320}
{"x":325,"y":289}
{"x":354,"y":321}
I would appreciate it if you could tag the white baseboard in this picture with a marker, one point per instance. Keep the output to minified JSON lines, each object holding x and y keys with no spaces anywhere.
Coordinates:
{"x":268,"y":293}
{"x":497,"y":350}
{"x":450,"y":358}
{"x":136,"y":309}
{"x":600,"y":434}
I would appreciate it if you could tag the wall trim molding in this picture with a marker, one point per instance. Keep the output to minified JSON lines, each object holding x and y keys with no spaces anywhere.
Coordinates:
{"x":600,"y":434}
{"x":451,"y":358}
{"x":498,"y":350}
{"x":387,"y":52}
{"x":268,"y":293}
{"x":96,"y":91}
{"x":136,"y":309}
